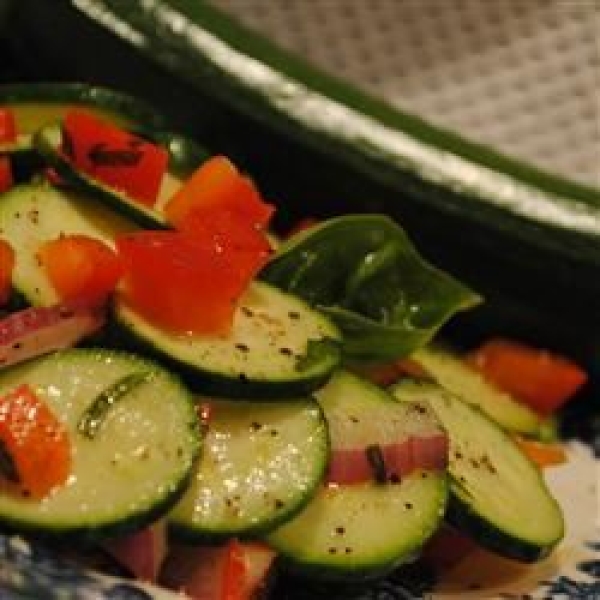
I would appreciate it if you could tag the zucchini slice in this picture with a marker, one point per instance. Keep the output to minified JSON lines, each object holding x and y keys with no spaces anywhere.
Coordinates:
{"x":262,"y":462}
{"x":498,"y":496}
{"x":278,"y":347}
{"x":454,"y":375}
{"x":136,"y":466}
{"x":365,"y":529}
{"x":33,"y":214}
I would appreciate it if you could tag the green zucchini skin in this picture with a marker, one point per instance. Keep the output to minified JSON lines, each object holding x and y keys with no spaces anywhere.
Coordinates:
{"x":498,"y":496}
{"x":538,"y":276}
{"x":123,"y":107}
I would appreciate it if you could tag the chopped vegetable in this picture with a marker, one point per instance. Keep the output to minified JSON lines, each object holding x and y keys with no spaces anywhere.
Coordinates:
{"x":217,"y":186}
{"x":234,"y":571}
{"x":8,"y":126}
{"x":6,"y":177}
{"x":542,"y":380}
{"x":7,"y":264}
{"x":541,"y":453}
{"x":81,"y":269}
{"x":114,"y":156}
{"x":185,"y":283}
{"x":35,"y":441}
{"x":39,"y":330}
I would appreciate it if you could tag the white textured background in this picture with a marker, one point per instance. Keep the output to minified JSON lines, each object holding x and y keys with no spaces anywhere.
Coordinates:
{"x":522,"y":75}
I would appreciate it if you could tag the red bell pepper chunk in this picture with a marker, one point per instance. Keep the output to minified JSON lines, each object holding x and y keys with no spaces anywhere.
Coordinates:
{"x":542,"y":380}
{"x":6,"y":178}
{"x":35,"y":441}
{"x":233,"y":571}
{"x":8,"y":126}
{"x":217,"y":186}
{"x":7,"y":264}
{"x":186,"y":283}
{"x":82,"y":270}
{"x":115,"y":157}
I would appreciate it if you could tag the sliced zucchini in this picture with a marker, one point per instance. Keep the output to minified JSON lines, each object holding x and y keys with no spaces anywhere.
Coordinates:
{"x":48,"y":141}
{"x":36,"y":105}
{"x":497,"y":495}
{"x":136,"y":466}
{"x":454,"y":375}
{"x":33,"y":214}
{"x":262,"y":462}
{"x":365,"y":529}
{"x":278,"y":347}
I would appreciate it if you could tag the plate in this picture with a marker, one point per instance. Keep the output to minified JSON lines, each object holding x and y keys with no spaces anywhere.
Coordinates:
{"x":572,"y":572}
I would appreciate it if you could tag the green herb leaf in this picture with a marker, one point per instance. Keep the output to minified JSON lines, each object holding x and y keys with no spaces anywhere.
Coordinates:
{"x":94,"y":416}
{"x":363,"y":271}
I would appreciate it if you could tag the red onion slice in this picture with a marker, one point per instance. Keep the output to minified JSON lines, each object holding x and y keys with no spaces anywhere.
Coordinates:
{"x":352,"y":465}
{"x":35,"y":331}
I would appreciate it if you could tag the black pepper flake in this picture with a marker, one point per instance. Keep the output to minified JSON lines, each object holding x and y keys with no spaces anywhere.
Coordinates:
{"x":340,"y":530}
{"x":294,"y":315}
{"x":274,"y":432}
{"x":243,"y":377}
{"x":17,"y":345}
{"x":286,"y":351}
{"x":458,"y":455}
{"x":279,"y":504}
{"x":332,"y":550}
{"x":255,"y":426}
{"x":247,"y":311}
{"x":408,"y":505}
{"x":242,"y":347}
{"x":348,"y":550}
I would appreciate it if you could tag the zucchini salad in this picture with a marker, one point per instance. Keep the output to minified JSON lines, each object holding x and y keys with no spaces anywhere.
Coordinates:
{"x":210,"y":406}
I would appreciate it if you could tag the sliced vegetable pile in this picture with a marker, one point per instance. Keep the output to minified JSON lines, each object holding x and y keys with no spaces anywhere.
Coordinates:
{"x":238,"y":405}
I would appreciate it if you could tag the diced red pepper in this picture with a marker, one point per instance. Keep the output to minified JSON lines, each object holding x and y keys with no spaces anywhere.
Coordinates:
{"x":233,"y":571}
{"x":8,"y":126}
{"x":35,"y":441}
{"x":82,"y":269}
{"x":542,"y":454}
{"x":114,"y":156}
{"x":186,"y":283}
{"x":7,"y":264}
{"x":215,"y":187}
{"x":6,"y":178}
{"x":542,"y":380}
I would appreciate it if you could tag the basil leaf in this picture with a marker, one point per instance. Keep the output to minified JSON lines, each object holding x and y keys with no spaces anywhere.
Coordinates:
{"x":363,"y":271}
